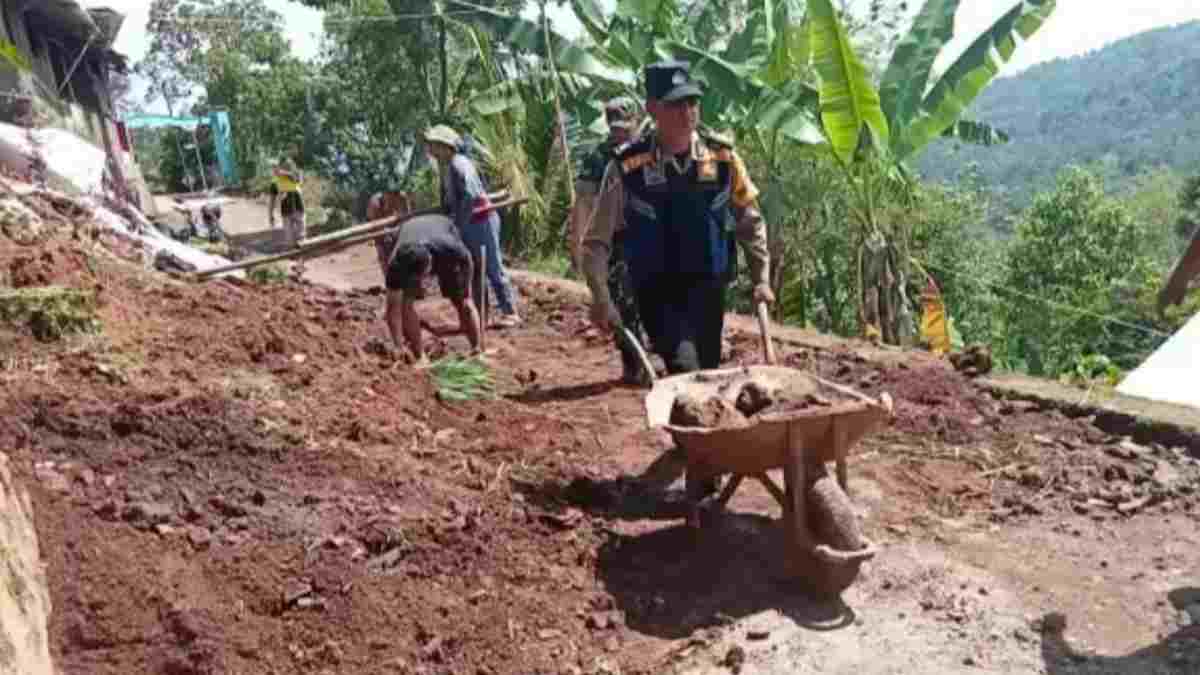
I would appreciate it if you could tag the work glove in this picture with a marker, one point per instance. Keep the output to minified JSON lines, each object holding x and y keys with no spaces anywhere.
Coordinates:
{"x":605,"y":317}
{"x":763,"y":293}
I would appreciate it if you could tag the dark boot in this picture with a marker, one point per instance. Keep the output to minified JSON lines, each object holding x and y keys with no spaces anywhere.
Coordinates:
{"x":632,"y":371}
{"x":634,"y":374}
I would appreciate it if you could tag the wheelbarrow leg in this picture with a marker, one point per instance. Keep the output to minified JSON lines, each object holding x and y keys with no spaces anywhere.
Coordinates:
{"x":796,"y":509}
{"x":700,"y":486}
{"x":731,"y":487}
{"x":712,"y":502}
{"x":838,"y":432}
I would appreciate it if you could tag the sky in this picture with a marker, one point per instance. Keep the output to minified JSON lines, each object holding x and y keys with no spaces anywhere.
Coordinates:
{"x":1075,"y":28}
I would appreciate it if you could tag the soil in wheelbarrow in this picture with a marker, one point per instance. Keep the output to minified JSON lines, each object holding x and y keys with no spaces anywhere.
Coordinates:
{"x":756,"y":397}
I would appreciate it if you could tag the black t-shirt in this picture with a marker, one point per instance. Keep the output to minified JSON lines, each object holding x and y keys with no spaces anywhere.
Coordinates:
{"x":436,"y":233}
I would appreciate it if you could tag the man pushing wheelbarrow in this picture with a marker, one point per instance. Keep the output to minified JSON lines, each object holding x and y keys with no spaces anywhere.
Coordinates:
{"x":680,"y":189}
{"x":686,"y":199}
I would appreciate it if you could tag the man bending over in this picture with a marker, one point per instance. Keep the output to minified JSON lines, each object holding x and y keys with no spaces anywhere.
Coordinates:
{"x":425,"y":245}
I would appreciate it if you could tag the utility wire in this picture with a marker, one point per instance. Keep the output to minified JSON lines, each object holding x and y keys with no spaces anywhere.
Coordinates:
{"x":1050,"y":303}
{"x":390,"y":18}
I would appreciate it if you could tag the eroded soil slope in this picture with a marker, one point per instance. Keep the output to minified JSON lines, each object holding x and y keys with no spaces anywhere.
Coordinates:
{"x":239,"y":478}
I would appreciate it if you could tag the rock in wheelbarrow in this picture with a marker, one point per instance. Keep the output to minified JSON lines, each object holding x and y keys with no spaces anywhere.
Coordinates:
{"x":711,"y":413}
{"x":836,"y":532}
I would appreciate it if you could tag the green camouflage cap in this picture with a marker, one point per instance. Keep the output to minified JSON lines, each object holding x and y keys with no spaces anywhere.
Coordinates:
{"x":620,"y":112}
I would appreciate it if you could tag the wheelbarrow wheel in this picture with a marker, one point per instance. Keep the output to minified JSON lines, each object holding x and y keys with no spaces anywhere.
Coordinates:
{"x":834,"y":563}
{"x":831,"y":515}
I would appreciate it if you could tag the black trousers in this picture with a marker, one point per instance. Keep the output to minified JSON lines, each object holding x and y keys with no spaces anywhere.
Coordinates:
{"x":684,"y":319}
{"x":624,"y":297}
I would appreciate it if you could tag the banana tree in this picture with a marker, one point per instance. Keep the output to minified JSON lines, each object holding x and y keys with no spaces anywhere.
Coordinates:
{"x":873,"y":131}
{"x":746,"y":78}
{"x":753,"y":93}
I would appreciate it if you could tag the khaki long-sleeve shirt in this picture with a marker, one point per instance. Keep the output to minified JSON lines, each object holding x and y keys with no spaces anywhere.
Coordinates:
{"x":607,"y":218}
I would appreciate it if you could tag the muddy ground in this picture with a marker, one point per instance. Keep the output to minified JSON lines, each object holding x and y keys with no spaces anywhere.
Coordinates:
{"x":234,"y":478}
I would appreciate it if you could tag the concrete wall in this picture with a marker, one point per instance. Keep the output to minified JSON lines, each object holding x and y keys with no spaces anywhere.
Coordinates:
{"x":24,"y":596}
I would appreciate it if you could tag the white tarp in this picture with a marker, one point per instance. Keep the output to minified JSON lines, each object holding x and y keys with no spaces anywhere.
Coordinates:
{"x":1172,"y":373}
{"x":81,"y":164}
{"x":155,"y":241}
{"x":68,"y":157}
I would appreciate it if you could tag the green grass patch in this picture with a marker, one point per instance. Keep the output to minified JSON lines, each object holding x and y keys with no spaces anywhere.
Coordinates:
{"x":463,"y":379}
{"x":555,"y":266}
{"x":50,"y":312}
{"x":267,"y":274}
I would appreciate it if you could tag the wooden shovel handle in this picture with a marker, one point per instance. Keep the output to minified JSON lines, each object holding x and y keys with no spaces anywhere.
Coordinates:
{"x":764,"y":329}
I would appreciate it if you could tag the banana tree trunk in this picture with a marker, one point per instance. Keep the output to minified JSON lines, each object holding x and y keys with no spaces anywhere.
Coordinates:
{"x":885,"y":312}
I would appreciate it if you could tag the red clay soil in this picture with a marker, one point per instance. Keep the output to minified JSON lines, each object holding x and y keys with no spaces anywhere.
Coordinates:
{"x":245,"y":479}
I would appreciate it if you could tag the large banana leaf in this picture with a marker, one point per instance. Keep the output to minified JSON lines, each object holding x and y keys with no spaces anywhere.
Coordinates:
{"x":973,"y":71}
{"x":609,"y":37}
{"x":659,"y":14}
{"x":507,"y":95}
{"x":789,"y":112}
{"x":730,"y":80}
{"x":589,"y":14}
{"x":791,"y":54}
{"x":849,"y":101}
{"x":496,"y":99}
{"x":753,"y":45}
{"x":907,"y":75}
{"x":530,"y":37}
{"x":646,"y":11}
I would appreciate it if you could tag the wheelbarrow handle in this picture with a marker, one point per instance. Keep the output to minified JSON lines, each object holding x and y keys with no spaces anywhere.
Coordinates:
{"x":764,"y":329}
{"x":632,"y":342}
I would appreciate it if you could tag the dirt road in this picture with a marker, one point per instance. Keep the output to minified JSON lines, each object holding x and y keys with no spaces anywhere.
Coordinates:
{"x":234,"y":478}
{"x":958,"y":586}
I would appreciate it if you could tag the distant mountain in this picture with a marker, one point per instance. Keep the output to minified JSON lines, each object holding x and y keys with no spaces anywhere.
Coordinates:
{"x":1129,"y":107}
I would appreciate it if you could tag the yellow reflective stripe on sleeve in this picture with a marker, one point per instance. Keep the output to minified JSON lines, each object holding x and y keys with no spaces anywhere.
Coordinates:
{"x":744,"y":190}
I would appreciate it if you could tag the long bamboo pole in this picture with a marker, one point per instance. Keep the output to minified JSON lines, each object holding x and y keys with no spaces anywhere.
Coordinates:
{"x":381,"y":223}
{"x":381,"y":229}
{"x":310,"y":252}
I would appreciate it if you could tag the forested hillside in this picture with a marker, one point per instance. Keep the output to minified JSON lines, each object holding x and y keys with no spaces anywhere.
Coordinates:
{"x":1127,"y":108}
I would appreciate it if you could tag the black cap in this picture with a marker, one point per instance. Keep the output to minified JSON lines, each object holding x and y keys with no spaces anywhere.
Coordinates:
{"x":671,"y":81}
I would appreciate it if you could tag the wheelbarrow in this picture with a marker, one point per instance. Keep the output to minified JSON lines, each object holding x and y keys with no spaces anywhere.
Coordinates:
{"x":826,"y":548}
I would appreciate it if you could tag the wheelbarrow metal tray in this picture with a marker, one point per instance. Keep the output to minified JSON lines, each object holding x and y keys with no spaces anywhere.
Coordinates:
{"x":826,"y":432}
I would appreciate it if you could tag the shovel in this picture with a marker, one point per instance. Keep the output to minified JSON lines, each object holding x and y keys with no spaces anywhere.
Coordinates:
{"x":764,"y":329}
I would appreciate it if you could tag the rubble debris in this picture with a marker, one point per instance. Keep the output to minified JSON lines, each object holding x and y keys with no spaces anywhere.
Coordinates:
{"x":19,"y":223}
{"x":712,"y":413}
{"x":973,"y":361}
{"x":165,"y":261}
{"x":735,"y":659}
{"x":753,"y":399}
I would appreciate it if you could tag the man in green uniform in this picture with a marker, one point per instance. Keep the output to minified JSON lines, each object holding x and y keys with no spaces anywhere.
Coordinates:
{"x":686,"y":198}
{"x":621,"y":115}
